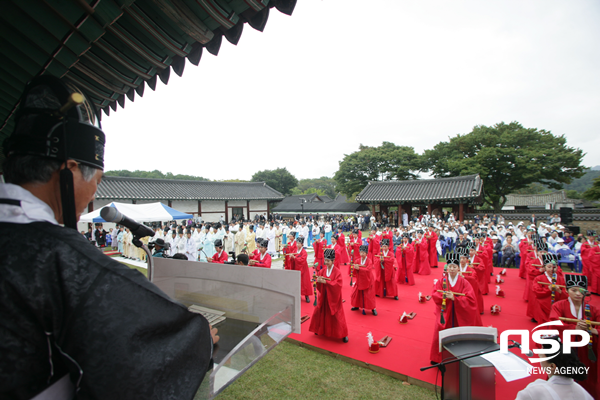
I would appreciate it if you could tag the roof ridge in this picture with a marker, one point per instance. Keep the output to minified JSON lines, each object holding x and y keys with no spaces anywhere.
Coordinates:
{"x":110,"y":177}
{"x":465,"y":177}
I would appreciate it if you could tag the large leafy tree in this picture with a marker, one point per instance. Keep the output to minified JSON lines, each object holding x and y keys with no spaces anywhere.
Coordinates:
{"x":385,"y":162}
{"x":508,"y":157}
{"x":279,"y":179}
{"x":322,"y":186}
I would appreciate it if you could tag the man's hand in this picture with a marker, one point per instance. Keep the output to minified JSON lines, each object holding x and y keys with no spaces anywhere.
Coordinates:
{"x":582,"y":325}
{"x":213,"y":334}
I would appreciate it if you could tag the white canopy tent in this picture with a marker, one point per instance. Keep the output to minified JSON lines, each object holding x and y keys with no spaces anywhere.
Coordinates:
{"x":139,"y":212}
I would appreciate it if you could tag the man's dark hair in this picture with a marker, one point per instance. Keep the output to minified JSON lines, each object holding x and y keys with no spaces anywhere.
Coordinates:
{"x":243,"y":258}
{"x":562,"y":360}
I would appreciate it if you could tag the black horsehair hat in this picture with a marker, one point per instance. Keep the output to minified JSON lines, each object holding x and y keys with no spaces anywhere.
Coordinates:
{"x":385,"y":242}
{"x":218,"y":243}
{"x":329,"y":254}
{"x":300,"y":239}
{"x":573,"y":280}
{"x":364,"y":248}
{"x":56,"y":120}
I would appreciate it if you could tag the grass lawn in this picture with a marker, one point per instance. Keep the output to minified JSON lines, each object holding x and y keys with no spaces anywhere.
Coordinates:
{"x":293,"y":372}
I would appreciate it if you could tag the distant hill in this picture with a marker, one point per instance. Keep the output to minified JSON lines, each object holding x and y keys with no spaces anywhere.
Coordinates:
{"x":585,"y":182}
{"x":156,"y":174}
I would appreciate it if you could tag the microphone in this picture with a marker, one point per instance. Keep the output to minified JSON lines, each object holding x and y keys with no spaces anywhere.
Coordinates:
{"x":111,"y":214}
{"x":517,"y":344}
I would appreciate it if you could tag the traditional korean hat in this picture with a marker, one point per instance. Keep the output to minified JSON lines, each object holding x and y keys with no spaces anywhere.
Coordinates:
{"x":550,"y":258}
{"x":452,"y":257}
{"x":471,"y":245}
{"x":420,"y":231}
{"x":329,"y":254}
{"x":364,"y":248}
{"x":406,"y":235}
{"x":385,"y":242}
{"x":463,"y":251}
{"x":218,"y":243}
{"x":218,"y":225}
{"x":591,"y":233}
{"x":262,"y":243}
{"x":56,"y":120}
{"x":300,"y":239}
{"x":573,"y":280}
{"x":540,"y":246}
{"x":355,"y":231}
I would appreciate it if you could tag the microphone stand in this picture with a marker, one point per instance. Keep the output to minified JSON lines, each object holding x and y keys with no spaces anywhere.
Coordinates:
{"x":442,"y":365}
{"x":149,"y":261}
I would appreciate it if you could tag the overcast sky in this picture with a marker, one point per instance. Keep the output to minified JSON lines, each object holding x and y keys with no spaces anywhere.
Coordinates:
{"x":338,"y":73}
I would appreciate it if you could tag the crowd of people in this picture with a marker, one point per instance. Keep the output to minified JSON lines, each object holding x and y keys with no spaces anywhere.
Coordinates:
{"x":387,"y":257}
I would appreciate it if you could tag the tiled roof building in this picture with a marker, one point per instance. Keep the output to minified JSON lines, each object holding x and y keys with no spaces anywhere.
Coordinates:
{"x":207,"y":199}
{"x":461,"y":193}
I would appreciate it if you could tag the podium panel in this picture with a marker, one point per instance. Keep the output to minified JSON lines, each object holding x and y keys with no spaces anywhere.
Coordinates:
{"x":261,"y":307}
{"x":471,"y":379}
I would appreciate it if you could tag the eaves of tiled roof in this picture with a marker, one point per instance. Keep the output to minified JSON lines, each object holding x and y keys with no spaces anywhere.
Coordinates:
{"x":113,"y":49}
{"x":115,"y":188}
{"x":468,"y":188}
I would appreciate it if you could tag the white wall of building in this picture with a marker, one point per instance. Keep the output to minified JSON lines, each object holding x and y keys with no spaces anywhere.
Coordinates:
{"x":185,"y":206}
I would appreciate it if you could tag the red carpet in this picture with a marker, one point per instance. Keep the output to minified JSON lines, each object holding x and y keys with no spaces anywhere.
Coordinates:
{"x":411,"y":344}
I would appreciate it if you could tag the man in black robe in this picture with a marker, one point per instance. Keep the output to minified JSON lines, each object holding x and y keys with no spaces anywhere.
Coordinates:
{"x":71,"y":318}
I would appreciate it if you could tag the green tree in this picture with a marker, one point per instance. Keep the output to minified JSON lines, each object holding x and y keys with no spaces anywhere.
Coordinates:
{"x":593,"y":193}
{"x":279,"y":179}
{"x":323,"y":186}
{"x":385,"y":162}
{"x":573,"y":194}
{"x":508,"y":157}
{"x":296,"y":191}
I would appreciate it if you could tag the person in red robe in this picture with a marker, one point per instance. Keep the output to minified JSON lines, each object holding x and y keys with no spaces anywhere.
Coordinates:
{"x":590,"y":258}
{"x":288,"y":250}
{"x":385,"y":266}
{"x":542,"y":292}
{"x":476,"y":262}
{"x":536,"y":267}
{"x":405,"y":257}
{"x":488,"y":248}
{"x":300,"y":263}
{"x":220,"y":257}
{"x":354,"y":247}
{"x":457,"y":310}
{"x":328,"y":318}
{"x":343,"y":258}
{"x":363,"y":292}
{"x":374,"y":241}
{"x":387,"y":233}
{"x":470,"y":274}
{"x":576,"y":307}
{"x":263,"y":259}
{"x":432,"y":239}
{"x":319,"y":246}
{"x":526,"y":248}
{"x":481,"y":251}
{"x":422,"y":266}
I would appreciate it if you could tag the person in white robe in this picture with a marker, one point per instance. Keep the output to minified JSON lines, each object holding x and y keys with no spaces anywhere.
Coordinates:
{"x":191,"y":252}
{"x":271,"y":238}
{"x":180,"y":245}
{"x":239,"y":240}
{"x":209,"y":246}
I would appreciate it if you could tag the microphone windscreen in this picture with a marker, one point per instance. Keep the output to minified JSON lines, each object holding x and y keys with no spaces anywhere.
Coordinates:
{"x":109,"y":214}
